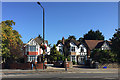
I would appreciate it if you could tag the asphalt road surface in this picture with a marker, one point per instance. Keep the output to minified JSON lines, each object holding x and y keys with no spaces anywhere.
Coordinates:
{"x":60,"y":76}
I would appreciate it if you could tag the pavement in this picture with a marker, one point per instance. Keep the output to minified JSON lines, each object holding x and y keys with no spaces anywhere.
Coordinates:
{"x":56,"y":69}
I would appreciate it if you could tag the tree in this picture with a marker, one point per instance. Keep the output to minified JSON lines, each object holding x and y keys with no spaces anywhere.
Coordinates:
{"x":103,"y":56}
{"x":11,"y":42}
{"x":94,"y":35}
{"x":55,"y":55}
{"x":116,"y":43}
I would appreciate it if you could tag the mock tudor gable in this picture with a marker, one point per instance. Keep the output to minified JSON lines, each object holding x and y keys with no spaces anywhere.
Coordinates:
{"x":77,"y":50}
{"x":32,"y":49}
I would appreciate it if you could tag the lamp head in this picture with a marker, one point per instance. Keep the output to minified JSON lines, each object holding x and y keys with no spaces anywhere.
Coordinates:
{"x":38,"y":3}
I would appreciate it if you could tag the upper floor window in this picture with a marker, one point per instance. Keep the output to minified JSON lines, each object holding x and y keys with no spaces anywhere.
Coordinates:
{"x":60,"y":48}
{"x":82,"y":50}
{"x":73,"y":49}
{"x":32,"y":48}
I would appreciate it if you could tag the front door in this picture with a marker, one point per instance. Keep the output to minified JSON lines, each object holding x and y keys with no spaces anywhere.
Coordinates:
{"x":81,"y":60}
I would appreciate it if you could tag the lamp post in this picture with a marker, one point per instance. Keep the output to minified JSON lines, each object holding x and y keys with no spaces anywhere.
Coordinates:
{"x":43,"y":31}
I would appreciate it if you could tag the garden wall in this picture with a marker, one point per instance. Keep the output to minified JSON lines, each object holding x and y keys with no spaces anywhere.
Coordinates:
{"x":23,"y":66}
{"x":109,"y":65}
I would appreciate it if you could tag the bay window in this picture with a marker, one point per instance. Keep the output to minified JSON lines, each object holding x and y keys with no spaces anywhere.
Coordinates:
{"x":32,"y":48}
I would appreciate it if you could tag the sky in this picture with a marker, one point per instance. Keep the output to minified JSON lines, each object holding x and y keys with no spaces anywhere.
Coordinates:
{"x":61,"y":19}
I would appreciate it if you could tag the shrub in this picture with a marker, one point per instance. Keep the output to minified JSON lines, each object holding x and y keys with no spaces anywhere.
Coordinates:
{"x":74,"y":62}
{"x":103,"y":56}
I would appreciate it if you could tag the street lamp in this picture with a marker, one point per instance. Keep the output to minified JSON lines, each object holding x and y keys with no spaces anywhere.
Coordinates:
{"x":43,"y":31}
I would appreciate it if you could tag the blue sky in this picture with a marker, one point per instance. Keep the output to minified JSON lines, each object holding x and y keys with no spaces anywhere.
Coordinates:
{"x":61,"y":18}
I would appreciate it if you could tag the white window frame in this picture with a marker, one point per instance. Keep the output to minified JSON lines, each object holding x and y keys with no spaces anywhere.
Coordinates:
{"x":73,"y":49}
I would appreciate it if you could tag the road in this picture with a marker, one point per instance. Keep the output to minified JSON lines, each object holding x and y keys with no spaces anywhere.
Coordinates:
{"x":60,"y":74}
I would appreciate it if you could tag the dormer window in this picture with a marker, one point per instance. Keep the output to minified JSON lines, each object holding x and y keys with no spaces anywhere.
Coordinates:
{"x":73,"y":49}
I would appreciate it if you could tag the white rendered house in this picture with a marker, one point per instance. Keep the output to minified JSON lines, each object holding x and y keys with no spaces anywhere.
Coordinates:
{"x":32,"y":50}
{"x":77,"y":51}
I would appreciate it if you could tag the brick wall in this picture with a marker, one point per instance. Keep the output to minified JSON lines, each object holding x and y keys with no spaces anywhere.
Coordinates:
{"x":20,"y":66}
{"x":39,"y":66}
{"x":23,"y":66}
{"x":109,"y":65}
{"x":69,"y":64}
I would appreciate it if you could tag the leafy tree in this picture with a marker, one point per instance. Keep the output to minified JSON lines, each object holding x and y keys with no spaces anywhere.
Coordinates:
{"x":11,"y":42}
{"x":55,"y":55}
{"x":94,"y":35}
{"x":81,"y":40}
{"x":68,"y":58}
{"x":116,"y":43}
{"x":103,"y":56}
{"x":61,"y":57}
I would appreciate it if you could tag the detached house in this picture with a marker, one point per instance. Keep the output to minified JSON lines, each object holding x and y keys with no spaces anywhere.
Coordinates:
{"x":96,"y":44}
{"x":32,"y":50}
{"x":77,"y":50}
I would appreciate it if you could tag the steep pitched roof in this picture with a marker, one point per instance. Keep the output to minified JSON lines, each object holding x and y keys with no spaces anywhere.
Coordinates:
{"x":85,"y":45}
{"x":93,"y":43}
{"x":60,"y":41}
{"x":67,"y":41}
{"x":99,"y":44}
{"x":71,"y":40}
{"x":39,"y":40}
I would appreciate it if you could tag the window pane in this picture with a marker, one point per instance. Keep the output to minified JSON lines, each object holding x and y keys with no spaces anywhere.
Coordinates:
{"x":33,"y":48}
{"x":82,"y":50}
{"x":73,"y":49}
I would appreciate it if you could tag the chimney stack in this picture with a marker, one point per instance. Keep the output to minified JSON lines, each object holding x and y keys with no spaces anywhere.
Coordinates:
{"x":63,"y":40}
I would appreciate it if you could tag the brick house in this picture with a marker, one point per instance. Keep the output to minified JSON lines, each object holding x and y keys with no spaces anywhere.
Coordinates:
{"x":32,"y":50}
{"x":97,"y":44}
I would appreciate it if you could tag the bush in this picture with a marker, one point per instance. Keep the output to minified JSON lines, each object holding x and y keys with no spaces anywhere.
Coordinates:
{"x":103,"y":56}
{"x":68,"y":58}
{"x":74,"y":62}
{"x":21,"y":60}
